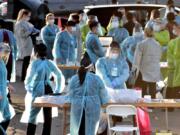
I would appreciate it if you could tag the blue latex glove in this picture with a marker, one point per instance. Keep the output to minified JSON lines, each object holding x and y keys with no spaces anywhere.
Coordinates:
{"x":30,"y":29}
{"x":35,"y":30}
{"x":114,"y":84}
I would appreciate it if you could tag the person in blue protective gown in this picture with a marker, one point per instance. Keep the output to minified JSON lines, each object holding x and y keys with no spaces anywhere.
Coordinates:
{"x":128,"y":46}
{"x":64,"y":48}
{"x":37,"y":83}
{"x":87,"y":93}
{"x":118,"y":33}
{"x":113,"y":69}
{"x":93,"y":44}
{"x":8,"y":37}
{"x":6,"y":110}
{"x":48,"y":34}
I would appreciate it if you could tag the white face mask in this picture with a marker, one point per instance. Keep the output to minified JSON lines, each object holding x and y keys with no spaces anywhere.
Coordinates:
{"x":138,"y":34}
{"x":27,"y":19}
{"x":51,"y":21}
{"x":157,"y":28}
{"x":174,"y":32}
{"x":114,"y":56}
{"x":115,"y":24}
{"x":74,"y":29}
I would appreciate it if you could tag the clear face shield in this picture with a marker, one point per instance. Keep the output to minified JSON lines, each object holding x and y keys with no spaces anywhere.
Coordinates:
{"x":113,"y":53}
{"x":115,"y":22}
{"x":159,"y":25}
{"x":90,"y":68}
{"x":138,"y":31}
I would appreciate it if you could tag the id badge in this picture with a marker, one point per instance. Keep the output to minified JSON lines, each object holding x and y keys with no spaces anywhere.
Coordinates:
{"x":114,"y":71}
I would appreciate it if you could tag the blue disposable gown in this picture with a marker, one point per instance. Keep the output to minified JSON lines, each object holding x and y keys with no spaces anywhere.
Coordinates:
{"x":64,"y":49}
{"x":35,"y":82}
{"x":94,"y":47}
{"x":177,"y":19}
{"x":128,"y":46}
{"x":105,"y":67}
{"x":118,"y":34}
{"x":86,"y":97}
{"x":14,"y":51}
{"x":150,"y":24}
{"x":6,"y":110}
{"x":48,"y":34}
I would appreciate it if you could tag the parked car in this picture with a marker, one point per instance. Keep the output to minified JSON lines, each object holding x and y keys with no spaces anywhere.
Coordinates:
{"x":104,"y":12}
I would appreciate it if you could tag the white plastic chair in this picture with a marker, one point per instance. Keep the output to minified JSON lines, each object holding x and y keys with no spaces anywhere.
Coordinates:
{"x":123,"y":111}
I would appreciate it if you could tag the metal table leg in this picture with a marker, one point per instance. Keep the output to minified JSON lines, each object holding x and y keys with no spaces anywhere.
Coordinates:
{"x":64,"y":120}
{"x":166,"y":119}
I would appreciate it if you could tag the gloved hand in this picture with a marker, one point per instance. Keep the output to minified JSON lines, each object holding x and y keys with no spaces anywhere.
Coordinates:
{"x":35,"y":31}
{"x":114,"y":84}
{"x":30,"y":29}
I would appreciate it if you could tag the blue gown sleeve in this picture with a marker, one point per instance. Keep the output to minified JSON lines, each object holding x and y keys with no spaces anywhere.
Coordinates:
{"x":137,"y":57}
{"x":124,"y":47}
{"x":123,"y":76}
{"x":13,"y":44}
{"x":29,"y":77}
{"x":24,"y":30}
{"x":97,"y":48}
{"x":109,"y":32}
{"x":125,"y":34}
{"x":101,"y":72}
{"x":104,"y":98}
{"x":56,"y":49}
{"x":59,"y":78}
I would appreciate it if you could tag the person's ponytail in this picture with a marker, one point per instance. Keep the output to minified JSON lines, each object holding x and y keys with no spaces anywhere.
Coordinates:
{"x":82,"y":74}
{"x":85,"y":62}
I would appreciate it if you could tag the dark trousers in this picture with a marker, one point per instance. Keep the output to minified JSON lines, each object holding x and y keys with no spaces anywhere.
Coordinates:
{"x":9,"y":67}
{"x":31,"y":129}
{"x":47,"y":112}
{"x":4,"y":125}
{"x":9,"y":72}
{"x":145,"y":86}
{"x":82,"y":126}
{"x":25,"y":65}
